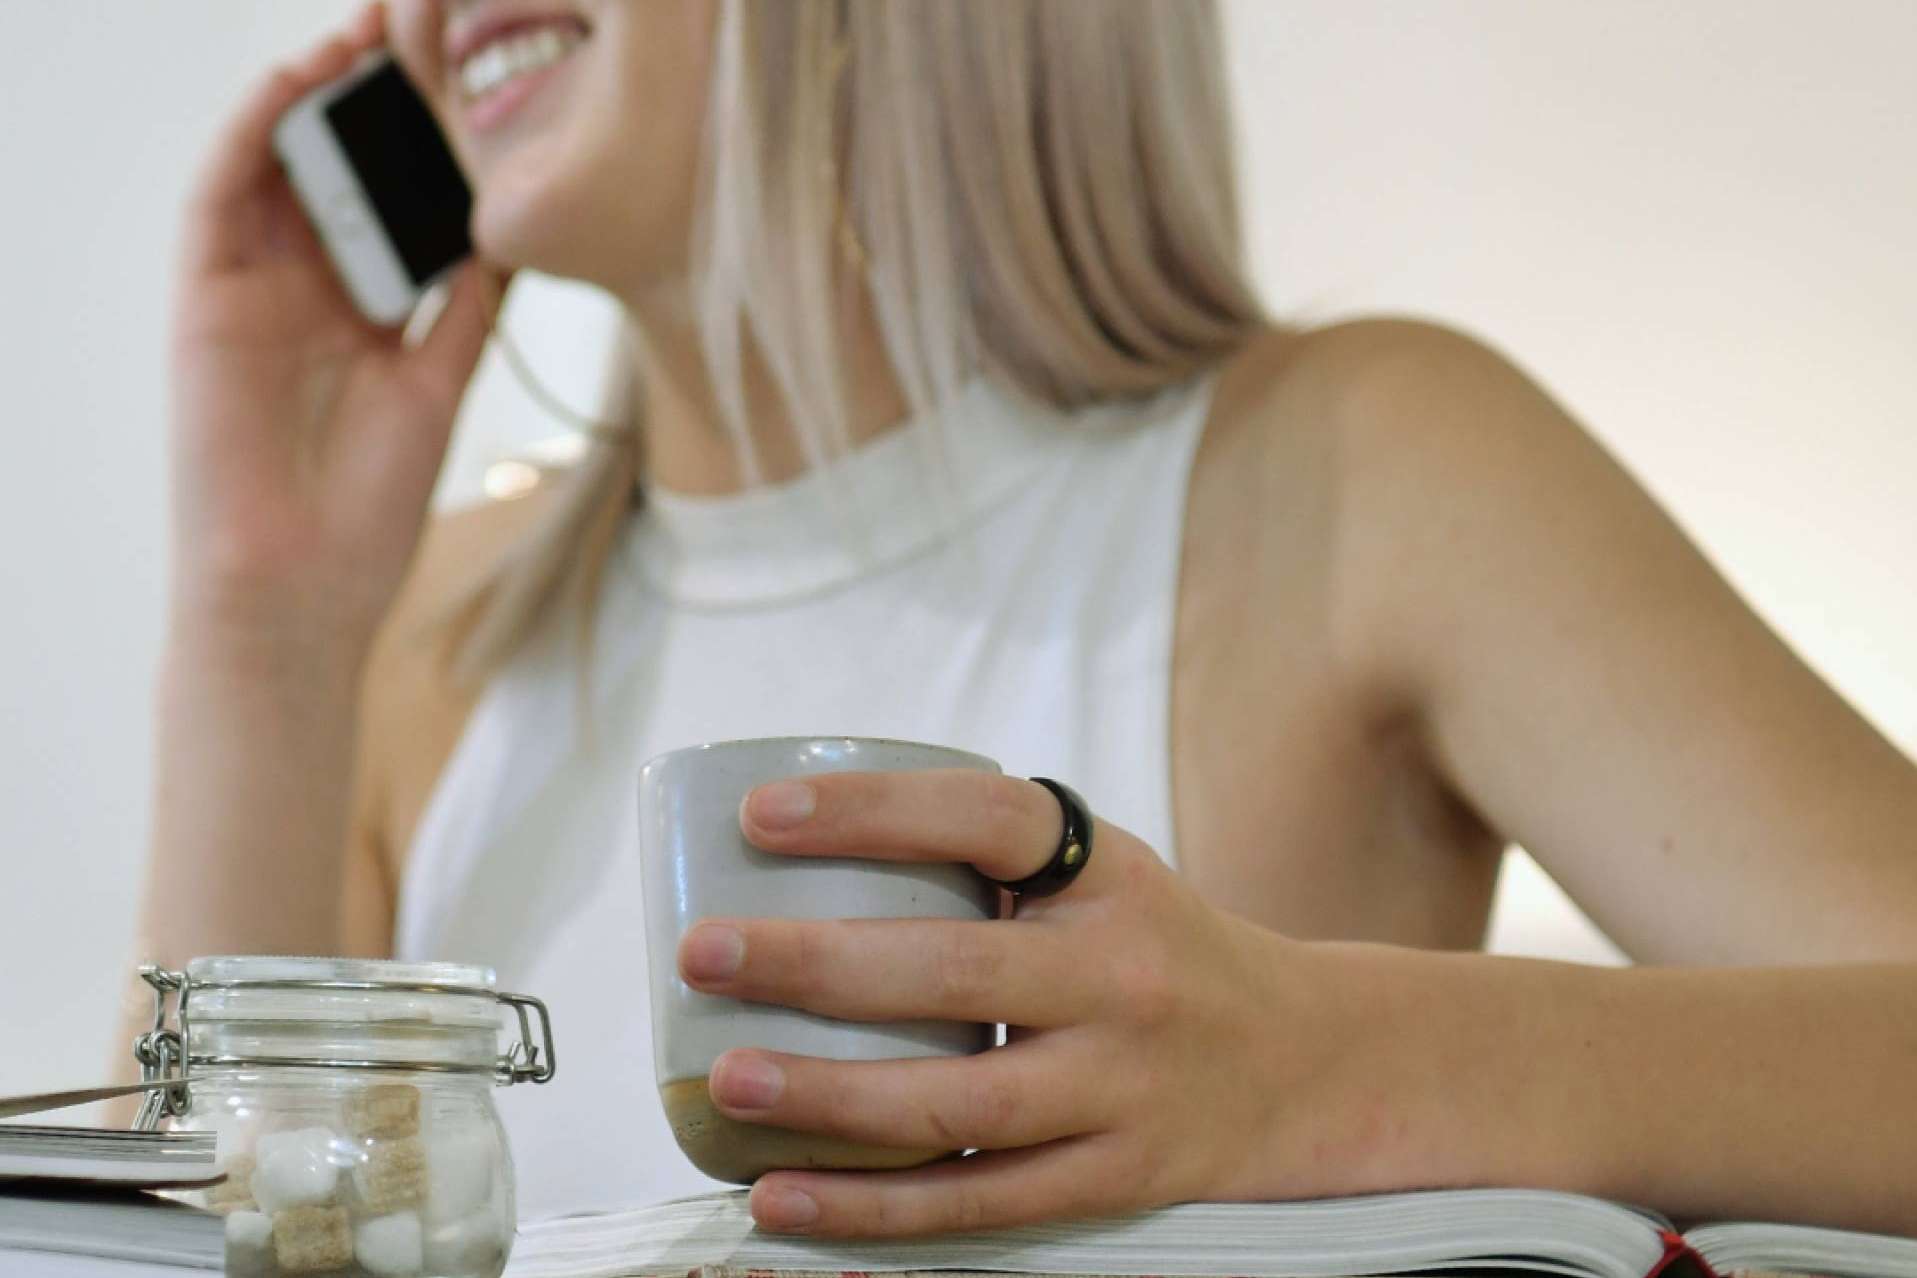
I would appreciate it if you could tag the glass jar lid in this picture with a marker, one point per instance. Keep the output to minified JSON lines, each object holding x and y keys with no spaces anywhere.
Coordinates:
{"x":270,"y":1012}
{"x":235,"y":988}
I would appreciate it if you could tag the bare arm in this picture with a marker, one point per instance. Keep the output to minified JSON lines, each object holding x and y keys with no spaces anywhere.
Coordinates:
{"x":1709,"y":1093}
{"x":305,"y":443}
{"x":1592,"y":686}
{"x":331,"y":777}
{"x":254,"y":777}
{"x":1589,"y":683}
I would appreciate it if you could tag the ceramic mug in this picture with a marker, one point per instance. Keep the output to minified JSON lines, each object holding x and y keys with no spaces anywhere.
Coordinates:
{"x":696,"y":864}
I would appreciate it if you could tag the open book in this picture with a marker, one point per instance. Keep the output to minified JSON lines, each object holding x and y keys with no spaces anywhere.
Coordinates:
{"x":1479,"y":1231}
{"x":47,"y":1230}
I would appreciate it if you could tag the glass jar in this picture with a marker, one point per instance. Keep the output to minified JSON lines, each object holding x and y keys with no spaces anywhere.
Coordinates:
{"x":353,"y":1104}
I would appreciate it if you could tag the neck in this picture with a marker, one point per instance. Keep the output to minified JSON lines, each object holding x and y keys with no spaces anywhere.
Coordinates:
{"x":689,"y":449}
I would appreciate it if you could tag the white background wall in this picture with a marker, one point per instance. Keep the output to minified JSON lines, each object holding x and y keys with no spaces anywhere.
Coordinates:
{"x":1692,"y":222}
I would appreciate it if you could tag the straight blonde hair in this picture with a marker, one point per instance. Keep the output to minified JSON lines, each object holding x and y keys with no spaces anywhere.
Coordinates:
{"x":1039,"y":191}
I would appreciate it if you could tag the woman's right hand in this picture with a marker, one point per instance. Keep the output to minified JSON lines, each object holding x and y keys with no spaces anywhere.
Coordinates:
{"x":306,"y":440}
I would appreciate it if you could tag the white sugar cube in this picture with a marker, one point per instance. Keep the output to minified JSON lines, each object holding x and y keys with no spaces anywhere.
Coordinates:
{"x":391,"y":1246}
{"x":294,"y":1169}
{"x":459,"y":1172}
{"x":249,"y":1243}
{"x":473,"y":1245}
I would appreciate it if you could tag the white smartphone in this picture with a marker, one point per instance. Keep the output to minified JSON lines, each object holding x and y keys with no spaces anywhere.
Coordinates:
{"x":379,"y":185}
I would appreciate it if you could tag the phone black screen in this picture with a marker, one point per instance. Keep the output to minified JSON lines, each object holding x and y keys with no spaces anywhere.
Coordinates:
{"x":406,"y":170}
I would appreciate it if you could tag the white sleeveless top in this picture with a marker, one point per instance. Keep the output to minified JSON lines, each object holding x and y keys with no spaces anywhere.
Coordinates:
{"x":1006,"y":585}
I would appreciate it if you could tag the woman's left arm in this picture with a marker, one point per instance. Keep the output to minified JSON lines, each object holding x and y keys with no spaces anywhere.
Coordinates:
{"x":1596,"y":691}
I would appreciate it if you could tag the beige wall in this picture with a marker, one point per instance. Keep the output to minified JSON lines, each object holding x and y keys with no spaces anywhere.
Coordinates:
{"x":1690,"y":221}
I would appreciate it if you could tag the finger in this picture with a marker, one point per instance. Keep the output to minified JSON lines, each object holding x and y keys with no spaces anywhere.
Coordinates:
{"x":1007,"y":827}
{"x":382,"y":455}
{"x":897,"y":969}
{"x":1002,"y":1098}
{"x":995,"y":1190}
{"x":369,"y":25}
{"x":242,"y":162}
{"x":442,"y":364}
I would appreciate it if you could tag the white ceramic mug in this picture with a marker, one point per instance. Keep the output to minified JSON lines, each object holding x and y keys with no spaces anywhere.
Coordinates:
{"x":696,"y":864}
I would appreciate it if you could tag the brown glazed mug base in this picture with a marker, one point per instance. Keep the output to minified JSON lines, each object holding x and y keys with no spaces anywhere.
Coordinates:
{"x":727,"y":1149}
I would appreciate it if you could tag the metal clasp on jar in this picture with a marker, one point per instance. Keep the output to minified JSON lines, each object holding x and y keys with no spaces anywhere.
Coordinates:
{"x":163,"y":1055}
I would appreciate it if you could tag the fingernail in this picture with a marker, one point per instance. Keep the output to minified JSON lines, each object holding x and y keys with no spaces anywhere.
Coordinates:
{"x":712,"y":952}
{"x":749,"y":1082}
{"x":781,"y":805}
{"x":783,"y":1208}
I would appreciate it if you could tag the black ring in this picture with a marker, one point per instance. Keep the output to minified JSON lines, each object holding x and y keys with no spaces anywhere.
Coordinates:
{"x":1074,"y":846}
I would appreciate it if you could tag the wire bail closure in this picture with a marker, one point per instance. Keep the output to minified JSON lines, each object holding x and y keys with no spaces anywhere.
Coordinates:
{"x":162,"y":1050}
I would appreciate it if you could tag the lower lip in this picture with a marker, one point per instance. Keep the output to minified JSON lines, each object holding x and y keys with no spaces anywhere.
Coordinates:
{"x":492,"y":111}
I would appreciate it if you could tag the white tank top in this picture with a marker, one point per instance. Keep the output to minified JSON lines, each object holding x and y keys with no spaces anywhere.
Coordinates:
{"x":1006,"y":584}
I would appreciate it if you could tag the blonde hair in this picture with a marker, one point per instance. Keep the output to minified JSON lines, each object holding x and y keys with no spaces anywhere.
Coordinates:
{"x":1039,"y":191}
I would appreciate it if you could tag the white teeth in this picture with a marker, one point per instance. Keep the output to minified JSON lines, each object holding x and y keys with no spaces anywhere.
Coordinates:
{"x":515,"y":55}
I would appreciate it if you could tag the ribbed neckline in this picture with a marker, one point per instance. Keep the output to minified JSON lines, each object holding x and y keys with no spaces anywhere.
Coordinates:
{"x":883,"y":502}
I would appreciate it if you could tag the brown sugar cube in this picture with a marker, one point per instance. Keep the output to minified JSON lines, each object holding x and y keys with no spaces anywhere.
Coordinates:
{"x":309,"y":1240}
{"x":392,"y":1177}
{"x":235,"y":1193}
{"x":387,"y":1109}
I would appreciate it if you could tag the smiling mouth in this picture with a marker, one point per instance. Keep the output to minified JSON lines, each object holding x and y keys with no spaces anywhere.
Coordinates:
{"x":516,"y":54}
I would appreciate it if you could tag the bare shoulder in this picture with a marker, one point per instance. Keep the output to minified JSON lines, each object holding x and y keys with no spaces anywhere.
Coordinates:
{"x":1352,"y":456}
{"x":1337,"y":421}
{"x":1390,"y":415}
{"x":1383,"y":386}
{"x":412,"y":709}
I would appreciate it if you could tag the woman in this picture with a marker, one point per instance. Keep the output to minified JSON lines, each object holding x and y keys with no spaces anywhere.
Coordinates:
{"x":1345,"y":611}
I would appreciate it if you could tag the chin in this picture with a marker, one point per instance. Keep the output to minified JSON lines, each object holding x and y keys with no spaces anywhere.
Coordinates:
{"x":524,"y":223}
{"x":520,"y":206}
{"x":506,"y":232}
{"x":539,"y":221}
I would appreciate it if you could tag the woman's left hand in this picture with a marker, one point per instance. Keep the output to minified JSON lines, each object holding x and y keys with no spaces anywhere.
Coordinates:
{"x":1144,"y":1064}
